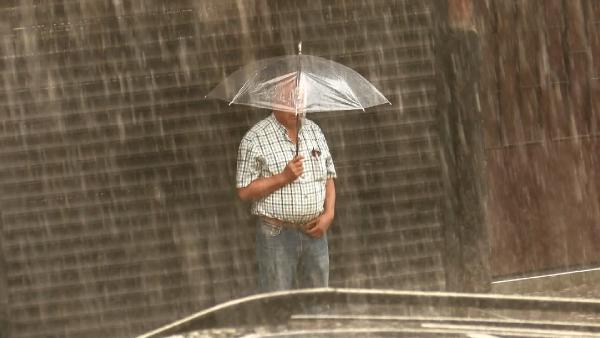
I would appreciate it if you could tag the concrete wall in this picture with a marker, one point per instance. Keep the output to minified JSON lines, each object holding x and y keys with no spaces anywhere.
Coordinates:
{"x":117,"y":179}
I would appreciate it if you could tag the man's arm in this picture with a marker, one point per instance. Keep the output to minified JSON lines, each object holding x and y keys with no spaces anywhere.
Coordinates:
{"x":318,"y":227}
{"x":329,"y":198}
{"x":264,"y":186}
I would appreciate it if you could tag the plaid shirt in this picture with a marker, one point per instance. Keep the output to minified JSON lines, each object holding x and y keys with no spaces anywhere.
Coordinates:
{"x":265,"y":151}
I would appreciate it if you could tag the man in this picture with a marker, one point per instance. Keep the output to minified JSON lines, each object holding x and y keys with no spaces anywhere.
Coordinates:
{"x":293,"y":197}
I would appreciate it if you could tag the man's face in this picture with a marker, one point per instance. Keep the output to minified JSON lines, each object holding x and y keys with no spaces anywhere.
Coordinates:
{"x":286,"y":95}
{"x":285,"y":118}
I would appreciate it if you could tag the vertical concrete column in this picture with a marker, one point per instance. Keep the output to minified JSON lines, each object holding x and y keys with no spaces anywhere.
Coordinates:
{"x":4,"y":322}
{"x":462,"y":147}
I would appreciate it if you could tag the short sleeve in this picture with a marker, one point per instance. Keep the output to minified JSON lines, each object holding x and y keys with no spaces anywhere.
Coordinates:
{"x":330,"y":167}
{"x":248,"y":163}
{"x":331,"y":173}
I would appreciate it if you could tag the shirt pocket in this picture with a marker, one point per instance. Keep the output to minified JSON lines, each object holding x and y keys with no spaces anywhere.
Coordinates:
{"x":318,"y":167}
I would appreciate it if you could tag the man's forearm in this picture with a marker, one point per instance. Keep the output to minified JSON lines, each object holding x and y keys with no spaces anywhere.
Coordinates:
{"x":262,"y":187}
{"x":329,"y":207}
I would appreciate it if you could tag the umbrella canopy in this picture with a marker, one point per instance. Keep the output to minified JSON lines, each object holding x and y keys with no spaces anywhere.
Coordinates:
{"x":319,"y":85}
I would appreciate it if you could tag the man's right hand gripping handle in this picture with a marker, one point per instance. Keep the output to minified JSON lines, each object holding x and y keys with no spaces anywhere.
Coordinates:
{"x":264,"y":186}
{"x":294,"y":169}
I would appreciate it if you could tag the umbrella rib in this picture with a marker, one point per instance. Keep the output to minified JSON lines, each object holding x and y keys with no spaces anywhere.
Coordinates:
{"x":357,"y":99}
{"x":243,"y":87}
{"x":350,"y":98}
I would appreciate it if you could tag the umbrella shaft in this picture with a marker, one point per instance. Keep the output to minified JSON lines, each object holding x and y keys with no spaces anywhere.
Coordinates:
{"x":297,"y":133}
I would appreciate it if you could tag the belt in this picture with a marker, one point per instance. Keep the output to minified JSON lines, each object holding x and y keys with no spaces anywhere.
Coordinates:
{"x":280,"y":223}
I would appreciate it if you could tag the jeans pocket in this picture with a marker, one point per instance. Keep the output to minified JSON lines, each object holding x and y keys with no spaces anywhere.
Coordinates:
{"x":270,"y":229}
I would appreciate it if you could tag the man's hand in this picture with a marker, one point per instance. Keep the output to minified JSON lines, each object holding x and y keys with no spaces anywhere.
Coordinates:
{"x":318,"y":226}
{"x":264,"y":186}
{"x":294,"y":169}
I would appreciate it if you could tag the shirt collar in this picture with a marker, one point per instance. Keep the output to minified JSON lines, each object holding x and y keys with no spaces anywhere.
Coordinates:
{"x":277,"y":124}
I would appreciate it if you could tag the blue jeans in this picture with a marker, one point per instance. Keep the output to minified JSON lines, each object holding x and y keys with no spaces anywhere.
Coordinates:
{"x":288,"y":257}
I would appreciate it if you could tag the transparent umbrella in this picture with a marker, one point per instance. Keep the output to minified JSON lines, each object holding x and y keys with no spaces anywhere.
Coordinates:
{"x":318,"y":84}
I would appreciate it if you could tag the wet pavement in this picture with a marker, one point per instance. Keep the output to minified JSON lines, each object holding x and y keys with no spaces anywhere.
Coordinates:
{"x":573,"y":285}
{"x":385,"y":313}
